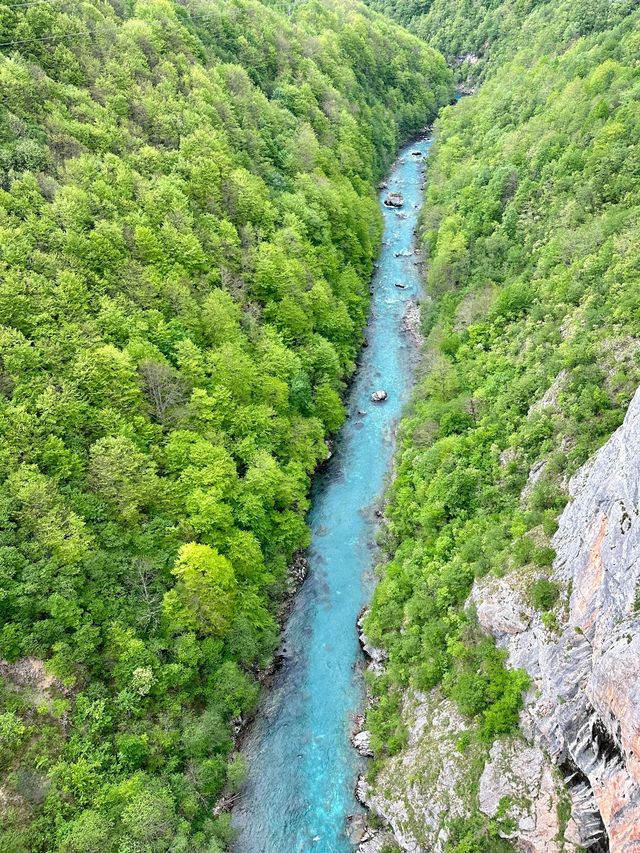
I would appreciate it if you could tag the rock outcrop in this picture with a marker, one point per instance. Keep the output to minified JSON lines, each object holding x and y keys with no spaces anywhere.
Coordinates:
{"x":418,"y":788}
{"x":362,"y":743}
{"x":519,"y":785}
{"x":394,"y":200}
{"x":420,"y":791}
{"x":374,"y":841}
{"x":584,"y":705}
{"x":412,"y":323}
{"x":376,"y":657}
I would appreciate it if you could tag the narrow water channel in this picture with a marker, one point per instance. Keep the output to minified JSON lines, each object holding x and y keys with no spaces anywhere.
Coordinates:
{"x":302,"y":768}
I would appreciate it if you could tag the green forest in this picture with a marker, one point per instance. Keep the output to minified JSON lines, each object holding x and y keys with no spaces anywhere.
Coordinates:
{"x":188,"y":223}
{"x":531,"y":227}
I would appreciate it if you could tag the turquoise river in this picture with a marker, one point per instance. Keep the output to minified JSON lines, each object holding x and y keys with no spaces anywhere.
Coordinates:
{"x":302,"y":767}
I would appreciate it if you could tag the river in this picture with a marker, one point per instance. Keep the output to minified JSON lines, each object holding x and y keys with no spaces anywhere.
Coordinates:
{"x":302,"y":767}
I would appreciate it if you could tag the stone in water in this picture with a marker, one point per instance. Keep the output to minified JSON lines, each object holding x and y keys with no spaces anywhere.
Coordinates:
{"x":394,"y":200}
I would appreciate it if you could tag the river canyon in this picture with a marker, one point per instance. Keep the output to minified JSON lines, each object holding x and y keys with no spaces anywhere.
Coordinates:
{"x":302,"y":767}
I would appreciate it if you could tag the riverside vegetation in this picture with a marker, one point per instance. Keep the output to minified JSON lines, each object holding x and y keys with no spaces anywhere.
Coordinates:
{"x":531,"y":226}
{"x":188,"y":224}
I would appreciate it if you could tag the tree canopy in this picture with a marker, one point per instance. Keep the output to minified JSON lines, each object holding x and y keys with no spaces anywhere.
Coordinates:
{"x":188,"y":223}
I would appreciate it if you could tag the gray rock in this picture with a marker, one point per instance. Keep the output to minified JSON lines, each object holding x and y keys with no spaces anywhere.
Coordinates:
{"x":374,"y":841}
{"x":584,"y":708}
{"x":376,"y":655}
{"x":535,"y":473}
{"x":379,"y":396}
{"x":356,"y":827}
{"x":507,"y":456}
{"x":394,"y":200}
{"x":417,"y":789}
{"x":549,"y":399}
{"x":411,"y":323}
{"x":534,"y":788}
{"x":362,"y":743}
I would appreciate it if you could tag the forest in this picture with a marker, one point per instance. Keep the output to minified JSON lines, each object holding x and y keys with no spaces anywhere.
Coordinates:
{"x":478,"y":35}
{"x":188,"y":223}
{"x":531,"y":230}
{"x":188,"y":228}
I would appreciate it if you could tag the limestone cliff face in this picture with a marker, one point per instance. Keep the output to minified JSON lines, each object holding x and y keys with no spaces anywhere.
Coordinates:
{"x":572,"y":777}
{"x":418,"y":789}
{"x":584,"y":706}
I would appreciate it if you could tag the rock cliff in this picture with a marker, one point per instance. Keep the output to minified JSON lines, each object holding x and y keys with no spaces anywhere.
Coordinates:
{"x":418,"y":788}
{"x":572,"y":779}
{"x":584,"y":705}
{"x":433,"y":781}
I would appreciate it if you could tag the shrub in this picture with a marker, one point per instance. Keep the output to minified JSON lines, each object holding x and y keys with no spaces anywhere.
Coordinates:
{"x":544,"y":594}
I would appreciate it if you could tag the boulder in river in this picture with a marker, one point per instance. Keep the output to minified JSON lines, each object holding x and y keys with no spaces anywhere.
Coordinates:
{"x":394,"y":200}
{"x":379,"y":396}
{"x":356,"y":827}
{"x":376,"y":841}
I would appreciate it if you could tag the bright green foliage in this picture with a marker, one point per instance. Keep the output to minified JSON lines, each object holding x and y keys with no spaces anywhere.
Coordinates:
{"x":493,"y":30}
{"x":204,"y":597}
{"x":188,"y":222}
{"x":531,"y":230}
{"x":471,"y":835}
{"x":544,"y":594}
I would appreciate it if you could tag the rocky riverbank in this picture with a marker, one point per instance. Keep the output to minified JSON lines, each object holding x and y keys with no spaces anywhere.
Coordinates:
{"x":373,"y":839}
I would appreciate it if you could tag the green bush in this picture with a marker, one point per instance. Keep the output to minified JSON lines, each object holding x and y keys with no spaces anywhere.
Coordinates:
{"x":544,"y":594}
{"x":544,"y":556}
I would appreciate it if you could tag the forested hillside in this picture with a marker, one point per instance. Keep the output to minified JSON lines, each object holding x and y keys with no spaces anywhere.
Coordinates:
{"x":477,"y":33}
{"x":531,"y":227}
{"x":188,"y":224}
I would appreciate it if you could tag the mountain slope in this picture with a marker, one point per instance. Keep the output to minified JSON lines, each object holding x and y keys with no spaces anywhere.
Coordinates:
{"x":188,"y":223}
{"x":478,"y":35}
{"x":531,"y":228}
